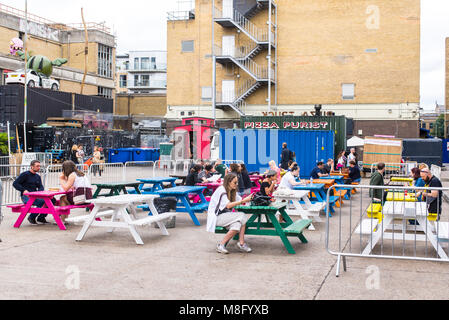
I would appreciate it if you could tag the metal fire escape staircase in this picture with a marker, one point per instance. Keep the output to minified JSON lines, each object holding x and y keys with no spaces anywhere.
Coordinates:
{"x":243,"y":56}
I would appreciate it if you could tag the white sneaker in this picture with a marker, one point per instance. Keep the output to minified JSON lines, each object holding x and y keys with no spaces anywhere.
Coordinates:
{"x":221,"y":249}
{"x":244,"y":247}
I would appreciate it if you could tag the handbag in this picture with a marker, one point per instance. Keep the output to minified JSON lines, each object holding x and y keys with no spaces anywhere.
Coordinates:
{"x":80,"y":195}
{"x":259,"y":200}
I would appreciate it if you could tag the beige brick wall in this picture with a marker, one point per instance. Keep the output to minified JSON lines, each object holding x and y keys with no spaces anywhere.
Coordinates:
{"x":321,"y":44}
{"x":148,"y":105}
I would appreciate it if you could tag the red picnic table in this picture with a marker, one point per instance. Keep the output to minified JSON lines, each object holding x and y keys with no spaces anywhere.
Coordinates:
{"x":48,"y":208}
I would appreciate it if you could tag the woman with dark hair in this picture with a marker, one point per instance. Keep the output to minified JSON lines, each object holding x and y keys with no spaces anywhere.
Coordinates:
{"x":247,"y":183}
{"x":341,"y":160}
{"x":192,"y":178}
{"x":237,"y":170}
{"x":75,"y":183}
{"x":224,"y":199}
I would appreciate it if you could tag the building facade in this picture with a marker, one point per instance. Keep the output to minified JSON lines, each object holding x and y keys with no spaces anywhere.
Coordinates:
{"x":142,"y":72}
{"x":56,"y":40}
{"x":227,"y":58}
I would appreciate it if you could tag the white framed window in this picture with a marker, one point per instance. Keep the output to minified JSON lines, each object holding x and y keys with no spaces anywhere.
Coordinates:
{"x":206,"y":93}
{"x":348,"y":91}
{"x":187,"y":46}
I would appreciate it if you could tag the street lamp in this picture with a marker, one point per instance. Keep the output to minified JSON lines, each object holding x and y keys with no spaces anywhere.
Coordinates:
{"x":26,"y":77}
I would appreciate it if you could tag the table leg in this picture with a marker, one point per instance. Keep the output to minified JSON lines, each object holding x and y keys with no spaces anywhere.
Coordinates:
{"x":160,"y":224}
{"x":113,"y":219}
{"x":24,"y":212}
{"x":87,"y":224}
{"x":97,"y":192}
{"x":124,"y":214}
{"x":427,"y":229}
{"x":384,"y":225}
{"x":138,"y":190}
{"x":302,"y":213}
{"x":56,"y":216}
{"x":280,"y":231}
{"x":186,"y":203}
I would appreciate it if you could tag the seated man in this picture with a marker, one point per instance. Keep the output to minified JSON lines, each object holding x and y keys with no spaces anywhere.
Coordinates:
{"x":354,"y":173}
{"x":328,"y":167}
{"x":31,"y":181}
{"x":317,"y":172}
{"x":377,"y":179}
{"x":206,"y":173}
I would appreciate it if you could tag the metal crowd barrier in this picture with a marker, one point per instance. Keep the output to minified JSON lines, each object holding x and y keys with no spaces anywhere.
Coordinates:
{"x":139,"y":169}
{"x":107,"y":173}
{"x":53,"y":172}
{"x":7,"y":160}
{"x":399,"y":229}
{"x":396,"y":169}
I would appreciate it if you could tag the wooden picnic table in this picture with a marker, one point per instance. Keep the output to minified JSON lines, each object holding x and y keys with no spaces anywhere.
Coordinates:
{"x":123,"y":215}
{"x":400,"y":196}
{"x":255,"y":226}
{"x":404,"y":211}
{"x":157,"y":184}
{"x":402,"y":179}
{"x":301,"y":204}
{"x":115,"y":188}
{"x":184,"y":203}
{"x":337,"y":174}
{"x":339,"y":179}
{"x":48,"y":208}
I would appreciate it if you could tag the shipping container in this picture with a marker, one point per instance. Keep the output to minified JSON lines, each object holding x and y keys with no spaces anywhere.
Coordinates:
{"x":336,"y":124}
{"x":426,"y":151}
{"x":258,"y":147}
{"x":445,"y":153}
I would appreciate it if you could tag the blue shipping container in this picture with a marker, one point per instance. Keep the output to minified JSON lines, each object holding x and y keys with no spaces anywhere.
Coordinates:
{"x":257,"y":147}
{"x":145,"y":154}
{"x":445,"y":150}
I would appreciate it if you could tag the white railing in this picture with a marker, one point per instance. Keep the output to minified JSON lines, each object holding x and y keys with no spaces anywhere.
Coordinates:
{"x":107,"y":173}
{"x":139,"y":169}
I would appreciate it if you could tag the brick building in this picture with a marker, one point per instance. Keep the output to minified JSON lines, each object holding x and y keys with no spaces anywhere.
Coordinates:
{"x":56,"y":40}
{"x":262,"y":57}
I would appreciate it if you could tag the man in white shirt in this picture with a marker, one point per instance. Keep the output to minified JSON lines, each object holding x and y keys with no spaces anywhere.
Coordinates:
{"x":351,"y":156}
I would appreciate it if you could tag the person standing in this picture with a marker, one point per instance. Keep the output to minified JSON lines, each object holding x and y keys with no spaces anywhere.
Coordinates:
{"x":352,"y":156}
{"x":286,"y":156}
{"x":80,"y":154}
{"x":341,"y":160}
{"x":377,"y":179}
{"x":73,"y":154}
{"x":30,"y":181}
{"x":96,"y":159}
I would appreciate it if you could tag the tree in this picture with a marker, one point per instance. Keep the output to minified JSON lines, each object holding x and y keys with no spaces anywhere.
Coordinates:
{"x":438,"y":127}
{"x":4,"y":143}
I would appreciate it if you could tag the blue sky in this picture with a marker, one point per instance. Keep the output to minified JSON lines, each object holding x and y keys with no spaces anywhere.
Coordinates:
{"x":141,"y":25}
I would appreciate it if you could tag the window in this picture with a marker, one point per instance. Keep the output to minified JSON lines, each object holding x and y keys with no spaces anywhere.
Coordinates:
{"x":136,"y":63}
{"x":105,"y":92}
{"x":153,"y":63}
{"x":136,"y":80}
{"x":105,"y":61}
{"x":348,"y":91}
{"x":144,"y":63}
{"x":145,"y":80}
{"x":187,"y":46}
{"x":206,"y":93}
{"x":182,"y":113}
{"x":123,"y":81}
{"x":431,"y":125}
{"x":127,"y":65}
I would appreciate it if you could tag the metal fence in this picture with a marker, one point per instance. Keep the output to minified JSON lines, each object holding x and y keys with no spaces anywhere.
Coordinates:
{"x":137,"y":170}
{"x":400,"y":228}
{"x":53,"y":172}
{"x":107,"y":173}
{"x":396,"y":169}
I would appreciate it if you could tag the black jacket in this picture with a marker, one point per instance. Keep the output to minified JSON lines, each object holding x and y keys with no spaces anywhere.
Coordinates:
{"x":286,"y":156}
{"x":192,"y":179}
{"x":246,"y":180}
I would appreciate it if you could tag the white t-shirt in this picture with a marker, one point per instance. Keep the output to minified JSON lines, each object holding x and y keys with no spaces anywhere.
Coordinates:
{"x":213,"y":204}
{"x":81,"y":182}
{"x":351,"y":157}
{"x":285,"y":181}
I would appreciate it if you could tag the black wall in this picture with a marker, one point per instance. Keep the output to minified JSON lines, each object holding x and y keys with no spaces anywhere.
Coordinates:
{"x":243,"y":6}
{"x":43,"y":104}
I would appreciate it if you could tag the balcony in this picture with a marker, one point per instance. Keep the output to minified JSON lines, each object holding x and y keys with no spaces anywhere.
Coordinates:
{"x":152,"y":84}
{"x":181,"y":15}
{"x":159,"y":67}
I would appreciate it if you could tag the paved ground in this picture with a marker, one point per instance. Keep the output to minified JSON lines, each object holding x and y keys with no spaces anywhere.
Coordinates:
{"x":42,"y":262}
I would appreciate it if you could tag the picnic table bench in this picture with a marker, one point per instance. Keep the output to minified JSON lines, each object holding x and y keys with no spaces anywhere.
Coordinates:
{"x":115,"y":188}
{"x":272,"y":227}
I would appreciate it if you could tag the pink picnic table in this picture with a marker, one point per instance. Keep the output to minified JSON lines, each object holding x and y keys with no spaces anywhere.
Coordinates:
{"x":48,"y":208}
{"x":209,"y":185}
{"x":256,"y":181}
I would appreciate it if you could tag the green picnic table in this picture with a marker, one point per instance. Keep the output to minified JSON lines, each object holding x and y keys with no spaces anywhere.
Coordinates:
{"x":272,"y":227}
{"x":115,"y":188}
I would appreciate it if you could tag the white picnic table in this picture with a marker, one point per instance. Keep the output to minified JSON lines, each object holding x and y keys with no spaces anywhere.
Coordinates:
{"x":394,"y":210}
{"x":306,"y":210}
{"x":122,"y":210}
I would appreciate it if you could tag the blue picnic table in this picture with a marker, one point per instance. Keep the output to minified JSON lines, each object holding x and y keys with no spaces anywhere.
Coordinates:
{"x":157,"y":184}
{"x":320,"y":194}
{"x":338,"y":179}
{"x":184,"y":204}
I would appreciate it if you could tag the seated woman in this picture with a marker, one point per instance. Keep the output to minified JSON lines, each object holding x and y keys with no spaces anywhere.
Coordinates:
{"x":269,"y":183}
{"x":275,"y":168}
{"x":224,"y":199}
{"x":417,"y":180}
{"x":75,"y":183}
{"x":289,"y":179}
{"x":192,"y":178}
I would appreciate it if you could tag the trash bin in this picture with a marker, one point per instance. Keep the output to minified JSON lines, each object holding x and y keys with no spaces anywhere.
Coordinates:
{"x":166,"y":205}
{"x":120,"y":155}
